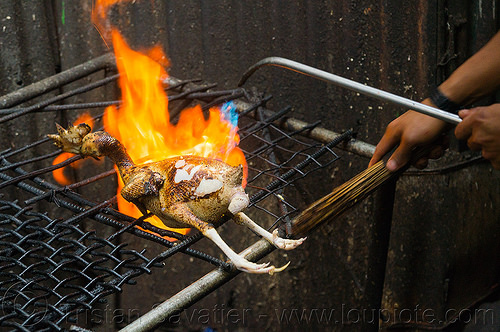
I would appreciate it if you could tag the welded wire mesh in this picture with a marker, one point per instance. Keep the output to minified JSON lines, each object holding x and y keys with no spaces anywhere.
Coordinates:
{"x":52,"y":268}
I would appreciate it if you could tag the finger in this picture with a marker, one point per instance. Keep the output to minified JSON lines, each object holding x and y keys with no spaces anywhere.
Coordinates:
{"x":493,"y":155}
{"x":488,"y":155}
{"x":436,"y":152}
{"x":400,"y":157}
{"x":464,"y":129}
{"x":442,"y":141}
{"x":495,"y":163}
{"x":471,"y":143}
{"x":421,"y":163}
{"x":386,"y":144}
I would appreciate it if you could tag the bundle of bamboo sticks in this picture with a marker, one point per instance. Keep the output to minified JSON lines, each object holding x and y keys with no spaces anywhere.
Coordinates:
{"x":341,"y":198}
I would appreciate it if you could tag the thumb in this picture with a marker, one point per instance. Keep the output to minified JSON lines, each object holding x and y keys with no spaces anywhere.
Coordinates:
{"x":399,"y":158}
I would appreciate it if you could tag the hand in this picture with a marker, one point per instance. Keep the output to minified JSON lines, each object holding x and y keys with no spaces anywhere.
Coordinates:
{"x":411,"y":130}
{"x":481,"y":128}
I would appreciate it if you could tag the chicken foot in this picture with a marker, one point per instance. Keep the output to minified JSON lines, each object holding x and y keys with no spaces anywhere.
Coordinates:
{"x":280,"y":243}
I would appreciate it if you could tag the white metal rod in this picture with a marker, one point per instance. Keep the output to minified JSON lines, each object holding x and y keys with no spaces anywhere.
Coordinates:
{"x":352,"y":85}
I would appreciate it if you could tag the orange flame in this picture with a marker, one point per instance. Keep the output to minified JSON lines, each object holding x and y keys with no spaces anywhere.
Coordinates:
{"x":142,"y":122}
{"x":58,"y":174}
{"x":99,"y":16}
{"x":100,"y":9}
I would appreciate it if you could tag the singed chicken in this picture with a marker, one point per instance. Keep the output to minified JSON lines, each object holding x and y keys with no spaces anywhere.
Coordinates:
{"x":183,"y":191}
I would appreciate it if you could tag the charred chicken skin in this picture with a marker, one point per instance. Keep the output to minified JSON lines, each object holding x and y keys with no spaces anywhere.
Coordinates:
{"x":183,"y":191}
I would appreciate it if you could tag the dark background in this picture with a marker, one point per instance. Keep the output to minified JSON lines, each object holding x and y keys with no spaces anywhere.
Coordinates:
{"x":444,"y":241}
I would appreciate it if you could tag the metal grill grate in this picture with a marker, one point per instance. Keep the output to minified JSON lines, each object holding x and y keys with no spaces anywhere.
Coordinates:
{"x":52,"y":269}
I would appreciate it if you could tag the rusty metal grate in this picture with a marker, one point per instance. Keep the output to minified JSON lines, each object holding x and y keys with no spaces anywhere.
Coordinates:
{"x":52,"y":269}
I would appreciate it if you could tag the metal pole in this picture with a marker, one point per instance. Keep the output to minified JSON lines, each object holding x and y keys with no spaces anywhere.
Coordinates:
{"x":351,"y":85}
{"x":325,"y":136}
{"x":53,"y":82}
{"x":194,"y":292}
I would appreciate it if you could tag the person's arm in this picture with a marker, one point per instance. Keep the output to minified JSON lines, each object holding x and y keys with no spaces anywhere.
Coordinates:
{"x":475,"y":78}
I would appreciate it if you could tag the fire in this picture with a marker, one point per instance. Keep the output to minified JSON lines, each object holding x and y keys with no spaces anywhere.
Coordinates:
{"x":99,"y":15}
{"x":58,"y":174}
{"x":143,"y":125}
{"x":142,"y":122}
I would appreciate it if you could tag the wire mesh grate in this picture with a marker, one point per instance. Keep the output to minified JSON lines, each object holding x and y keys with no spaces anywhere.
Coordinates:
{"x":52,"y":268}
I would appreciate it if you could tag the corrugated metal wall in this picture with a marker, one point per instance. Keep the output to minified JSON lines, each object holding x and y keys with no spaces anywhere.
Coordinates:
{"x":444,"y":248}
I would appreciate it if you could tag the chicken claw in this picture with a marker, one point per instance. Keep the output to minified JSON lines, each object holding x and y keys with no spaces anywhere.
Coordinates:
{"x":244,"y":265}
{"x":286,"y":244}
{"x":247,"y":266}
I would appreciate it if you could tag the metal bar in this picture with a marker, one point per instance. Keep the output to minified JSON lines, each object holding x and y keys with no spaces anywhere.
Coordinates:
{"x":223,"y":99}
{"x":10,"y":153}
{"x":284,"y":136}
{"x":91,"y":179}
{"x":214,"y":94}
{"x":319,"y":134}
{"x":90,"y":211}
{"x":324,"y":135}
{"x":246,"y":108}
{"x":186,"y":93}
{"x":175,"y":83}
{"x":194,"y":292}
{"x":36,"y":89}
{"x":150,"y":227}
{"x":66,"y":107}
{"x":39,"y":171}
{"x":29,"y":161}
{"x":351,"y":85}
{"x":57,"y":98}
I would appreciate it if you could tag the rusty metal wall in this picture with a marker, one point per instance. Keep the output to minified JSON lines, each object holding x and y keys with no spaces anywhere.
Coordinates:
{"x":444,"y":248}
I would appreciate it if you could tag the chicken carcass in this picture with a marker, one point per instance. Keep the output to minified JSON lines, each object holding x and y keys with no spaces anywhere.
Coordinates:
{"x":182,"y":191}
